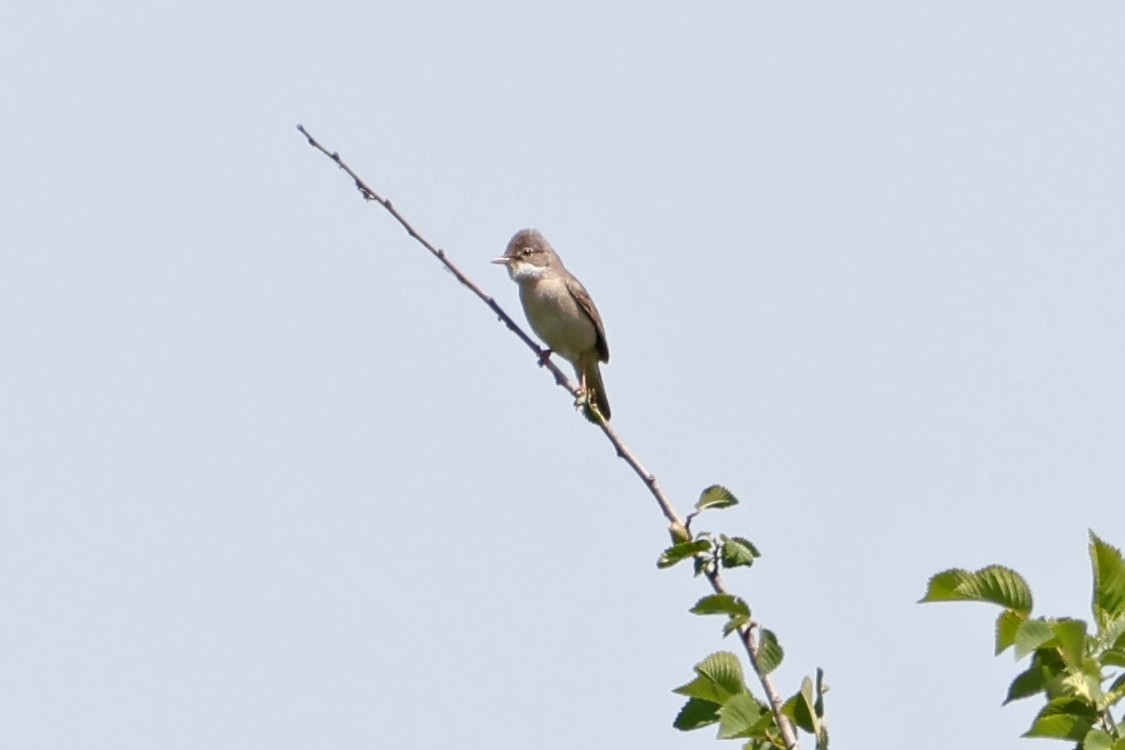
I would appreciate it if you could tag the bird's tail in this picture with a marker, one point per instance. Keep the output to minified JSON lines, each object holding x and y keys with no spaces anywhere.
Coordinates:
{"x":595,"y":389}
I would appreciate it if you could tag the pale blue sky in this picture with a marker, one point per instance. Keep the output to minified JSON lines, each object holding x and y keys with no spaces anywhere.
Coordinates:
{"x":269,"y":478}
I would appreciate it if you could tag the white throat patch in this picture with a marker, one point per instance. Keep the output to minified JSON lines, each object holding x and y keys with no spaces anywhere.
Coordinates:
{"x":523,"y":271}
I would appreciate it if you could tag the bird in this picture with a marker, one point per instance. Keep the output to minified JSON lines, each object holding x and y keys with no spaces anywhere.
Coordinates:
{"x":560,"y":311}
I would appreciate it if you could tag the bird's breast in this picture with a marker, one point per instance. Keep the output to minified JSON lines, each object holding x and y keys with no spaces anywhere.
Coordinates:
{"x":557,"y":319}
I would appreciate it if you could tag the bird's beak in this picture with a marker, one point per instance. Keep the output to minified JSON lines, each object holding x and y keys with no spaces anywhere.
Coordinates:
{"x":502,"y":260}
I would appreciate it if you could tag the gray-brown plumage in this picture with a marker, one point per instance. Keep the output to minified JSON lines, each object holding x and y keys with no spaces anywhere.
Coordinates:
{"x":559,"y":310}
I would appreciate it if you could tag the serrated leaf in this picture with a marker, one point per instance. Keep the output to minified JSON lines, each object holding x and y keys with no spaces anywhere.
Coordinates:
{"x":1085,"y":684}
{"x":1114,"y":655}
{"x":1007,"y":622}
{"x":798,"y":711}
{"x":1053,"y":669}
{"x":716,"y":496}
{"x":1071,"y":635}
{"x":1063,"y":718}
{"x":994,"y":584}
{"x":721,"y":604}
{"x":945,"y":586}
{"x":740,"y":716}
{"x":1044,"y":675}
{"x":770,"y":652}
{"x":679,"y":552}
{"x":801,"y":709}
{"x":1031,"y":635}
{"x":1030,"y":682}
{"x":696,"y":713}
{"x":705,"y":689}
{"x":725,"y":671}
{"x":1111,"y":634}
{"x":1109,"y":580}
{"x":736,"y":551}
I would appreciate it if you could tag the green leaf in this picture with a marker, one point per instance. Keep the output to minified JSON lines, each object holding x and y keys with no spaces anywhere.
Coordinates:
{"x":799,"y":710}
{"x":1007,"y":623}
{"x":945,"y":586}
{"x":682,"y":551}
{"x":994,"y":584}
{"x":741,"y":716}
{"x":724,"y":669}
{"x":1064,"y":718}
{"x":1086,"y":684}
{"x":696,"y":713}
{"x":1109,"y":580}
{"x":770,"y":652}
{"x":734,"y":623}
{"x":1116,"y":691}
{"x":1044,"y":675}
{"x":1072,"y":641}
{"x":718,"y":677}
{"x":1027,"y":683}
{"x":736,"y":551}
{"x":1096,"y":739}
{"x":771,"y":742}
{"x":716,"y":496}
{"x":1032,"y":634}
{"x":1111,"y":634}
{"x":722,"y":604}
{"x":705,"y":689}
{"x":1114,"y":655}
{"x":805,"y":709}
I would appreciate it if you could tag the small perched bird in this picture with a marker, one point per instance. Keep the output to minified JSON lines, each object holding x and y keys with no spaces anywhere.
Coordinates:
{"x":559,"y":310}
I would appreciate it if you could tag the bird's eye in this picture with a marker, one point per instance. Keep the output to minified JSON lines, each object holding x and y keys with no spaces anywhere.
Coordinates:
{"x":525,"y":250}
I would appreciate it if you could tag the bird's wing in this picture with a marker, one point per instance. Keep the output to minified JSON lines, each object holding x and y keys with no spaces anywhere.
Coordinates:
{"x":582,"y":297}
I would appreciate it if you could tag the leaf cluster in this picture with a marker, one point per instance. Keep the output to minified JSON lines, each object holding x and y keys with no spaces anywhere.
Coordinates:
{"x":719,"y":694}
{"x":1078,"y":672}
{"x":707,"y":551}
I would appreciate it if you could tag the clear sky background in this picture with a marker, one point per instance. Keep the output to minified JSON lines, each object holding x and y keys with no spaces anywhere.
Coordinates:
{"x":270,"y":478}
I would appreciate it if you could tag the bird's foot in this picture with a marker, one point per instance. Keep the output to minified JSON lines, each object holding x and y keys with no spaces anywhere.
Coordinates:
{"x":581,"y":398}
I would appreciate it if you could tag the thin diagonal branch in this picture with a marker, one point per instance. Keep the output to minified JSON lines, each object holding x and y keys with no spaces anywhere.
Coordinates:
{"x":746,"y":633}
{"x":749,"y":640}
{"x":370,"y":195}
